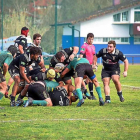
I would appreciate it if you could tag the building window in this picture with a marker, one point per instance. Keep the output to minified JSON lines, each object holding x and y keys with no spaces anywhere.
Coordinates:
{"x":125,"y":16}
{"x":137,"y":16}
{"x":104,"y":40}
{"x":117,"y":17}
{"x":137,"y":8}
{"x":125,"y":39}
{"x":137,"y":40}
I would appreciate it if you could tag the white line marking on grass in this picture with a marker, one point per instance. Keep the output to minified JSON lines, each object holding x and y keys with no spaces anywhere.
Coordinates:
{"x":13,"y":121}
{"x":129,"y":86}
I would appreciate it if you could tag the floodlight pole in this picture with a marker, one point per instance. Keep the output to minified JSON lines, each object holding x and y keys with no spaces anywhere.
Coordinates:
{"x":55,"y":38}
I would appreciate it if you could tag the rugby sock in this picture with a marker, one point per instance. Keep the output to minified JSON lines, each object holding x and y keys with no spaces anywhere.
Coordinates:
{"x":119,"y":93}
{"x":107,"y":98}
{"x":20,"y":97}
{"x":1,"y":95}
{"x":86,"y":93}
{"x":40,"y":102}
{"x":98,"y":89}
{"x":8,"y":87}
{"x":79,"y":93}
{"x":12,"y":98}
{"x":90,"y":86}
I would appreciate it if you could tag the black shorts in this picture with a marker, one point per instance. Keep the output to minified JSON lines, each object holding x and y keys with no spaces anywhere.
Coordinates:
{"x":68,"y":75}
{"x":59,"y":97}
{"x":14,"y":71}
{"x":84,"y":69}
{"x":2,"y":78}
{"x":106,"y":73}
{"x":37,"y":92}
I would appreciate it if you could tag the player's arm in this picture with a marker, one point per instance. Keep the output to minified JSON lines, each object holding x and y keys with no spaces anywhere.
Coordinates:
{"x":20,"y":47}
{"x":64,"y":72}
{"x":125,"y":67}
{"x":99,"y":54}
{"x":6,"y":64}
{"x":82,"y":51}
{"x":5,"y":68}
{"x":75,"y":51}
{"x":41,"y":64}
{"x":22,"y":69}
{"x":22,"y":65}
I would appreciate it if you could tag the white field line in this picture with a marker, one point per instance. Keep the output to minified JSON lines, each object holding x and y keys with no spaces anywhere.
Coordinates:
{"x":31,"y":120}
{"x":128,"y":86}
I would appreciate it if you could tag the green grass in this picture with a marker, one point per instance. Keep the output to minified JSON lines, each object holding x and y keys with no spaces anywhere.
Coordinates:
{"x":119,"y":121}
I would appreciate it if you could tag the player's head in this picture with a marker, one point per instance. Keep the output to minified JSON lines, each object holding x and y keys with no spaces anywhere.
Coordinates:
{"x":50,"y":74}
{"x":90,"y":37}
{"x":13,"y":50}
{"x":59,"y":67}
{"x":34,"y":53}
{"x":111,"y":46}
{"x":37,"y":39}
{"x":60,"y":56}
{"x":25,"y":31}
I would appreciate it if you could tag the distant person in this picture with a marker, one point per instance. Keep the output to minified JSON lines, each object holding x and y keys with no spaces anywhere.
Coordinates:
{"x":88,"y":52}
{"x":111,"y":68}
{"x":36,"y":43}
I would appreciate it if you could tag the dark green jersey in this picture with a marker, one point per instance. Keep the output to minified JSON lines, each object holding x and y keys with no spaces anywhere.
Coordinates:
{"x":50,"y":85}
{"x":5,"y":57}
{"x":77,"y":61}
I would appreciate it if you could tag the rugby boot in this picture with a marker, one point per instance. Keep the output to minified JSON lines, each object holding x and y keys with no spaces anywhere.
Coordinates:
{"x":121,"y":98}
{"x":12,"y":103}
{"x":93,"y":98}
{"x":101,"y":102}
{"x":80,"y":103}
{"x":107,"y":101}
{"x":88,"y":96}
{"x":29,"y":102}
{"x":19,"y":102}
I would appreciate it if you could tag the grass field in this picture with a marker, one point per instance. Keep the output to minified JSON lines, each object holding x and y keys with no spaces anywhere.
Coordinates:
{"x":114,"y":121}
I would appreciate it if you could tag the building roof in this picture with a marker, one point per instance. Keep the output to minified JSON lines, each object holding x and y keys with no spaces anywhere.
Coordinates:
{"x":105,"y":11}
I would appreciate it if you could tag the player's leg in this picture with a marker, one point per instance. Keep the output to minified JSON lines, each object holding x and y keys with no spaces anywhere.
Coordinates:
{"x":92,"y":76}
{"x":38,"y":96}
{"x":106,"y":77}
{"x":3,"y":87}
{"x":10,"y":82}
{"x":78,"y":82}
{"x":116,"y":80}
{"x":106,"y":82}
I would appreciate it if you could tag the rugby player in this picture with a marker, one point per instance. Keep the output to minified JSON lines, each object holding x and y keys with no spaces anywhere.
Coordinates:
{"x":17,"y":69}
{"x":6,"y":58}
{"x":21,"y":45}
{"x":111,"y":68}
{"x":82,"y":67}
{"x":88,"y":52}
{"x":65,"y":56}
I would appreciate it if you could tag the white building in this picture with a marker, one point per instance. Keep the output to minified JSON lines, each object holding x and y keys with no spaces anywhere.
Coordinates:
{"x":120,"y":23}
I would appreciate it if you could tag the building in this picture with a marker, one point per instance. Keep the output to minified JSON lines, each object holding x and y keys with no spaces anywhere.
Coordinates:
{"x":118,"y":22}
